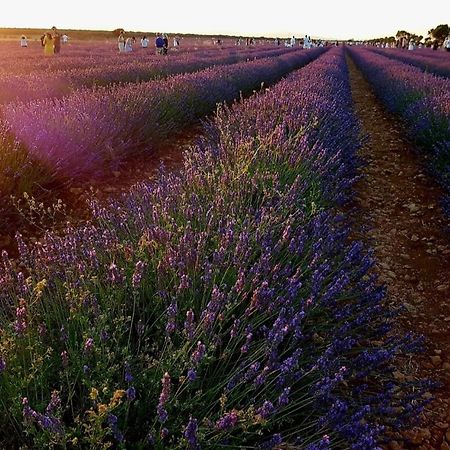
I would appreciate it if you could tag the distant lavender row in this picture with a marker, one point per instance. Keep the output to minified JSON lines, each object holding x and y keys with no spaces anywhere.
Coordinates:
{"x":423,"y":102}
{"x":437,"y":66}
{"x":81,"y":56}
{"x":93,"y":129}
{"x":41,"y":85}
{"x":221,"y":307}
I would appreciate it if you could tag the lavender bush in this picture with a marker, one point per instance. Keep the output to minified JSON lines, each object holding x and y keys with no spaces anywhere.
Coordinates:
{"x":419,"y":58}
{"x":221,"y":307}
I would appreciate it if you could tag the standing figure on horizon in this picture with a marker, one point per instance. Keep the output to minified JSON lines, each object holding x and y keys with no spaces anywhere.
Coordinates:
{"x":144,"y":42}
{"x":23,"y":41}
{"x":176,"y":42}
{"x":129,"y":45}
{"x":56,"y":40}
{"x":159,"y":44}
{"x":48,"y":45}
{"x":446,"y":44}
{"x":121,"y":42}
{"x":166,"y":44}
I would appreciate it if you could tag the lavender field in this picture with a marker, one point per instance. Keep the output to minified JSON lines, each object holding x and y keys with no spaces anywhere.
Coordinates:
{"x":227,"y":304}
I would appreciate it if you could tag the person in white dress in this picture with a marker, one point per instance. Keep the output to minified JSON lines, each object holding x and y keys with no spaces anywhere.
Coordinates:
{"x":23,"y":42}
{"x":305,"y":42}
{"x":64,"y":39}
{"x":293,"y":41}
{"x":411,"y":45}
{"x":144,"y":42}
{"x":121,"y":42}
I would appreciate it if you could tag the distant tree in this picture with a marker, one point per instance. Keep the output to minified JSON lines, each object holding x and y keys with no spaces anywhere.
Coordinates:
{"x":403,"y":33}
{"x":439,"y":33}
{"x":117,"y":31}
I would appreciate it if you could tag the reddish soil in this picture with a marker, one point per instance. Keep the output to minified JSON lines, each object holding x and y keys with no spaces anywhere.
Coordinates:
{"x":400,"y":203}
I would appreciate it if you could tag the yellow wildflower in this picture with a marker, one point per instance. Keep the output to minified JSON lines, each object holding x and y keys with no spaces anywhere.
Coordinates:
{"x":93,"y":394}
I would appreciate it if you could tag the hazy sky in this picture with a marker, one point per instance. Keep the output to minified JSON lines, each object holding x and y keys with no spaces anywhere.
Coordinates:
{"x":339,"y":19}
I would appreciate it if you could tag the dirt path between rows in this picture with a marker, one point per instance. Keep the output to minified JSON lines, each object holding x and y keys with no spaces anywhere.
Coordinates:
{"x":400,"y":204}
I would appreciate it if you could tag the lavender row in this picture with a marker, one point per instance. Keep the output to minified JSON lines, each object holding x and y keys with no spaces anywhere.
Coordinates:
{"x":422,"y":100}
{"x":93,"y":130}
{"x":41,"y":84}
{"x":221,"y":307}
{"x":82,"y":56}
{"x":435,"y":66}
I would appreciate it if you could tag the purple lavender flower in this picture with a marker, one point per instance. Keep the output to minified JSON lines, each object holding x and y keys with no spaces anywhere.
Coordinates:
{"x":163,"y":398}
{"x":191,"y":375}
{"x":131,"y":393}
{"x":266,"y":409}
{"x":115,"y":274}
{"x":88,"y":345}
{"x":164,"y":433}
{"x":63,"y":336}
{"x":138,"y":273}
{"x":199,"y":352}
{"x":20,"y":324}
{"x":271,"y":443}
{"x":171,"y":317}
{"x":190,"y":433}
{"x":128,"y":377}
{"x":227,"y":421}
{"x":189,"y":327}
{"x":54,"y":404}
{"x":283,"y":399}
{"x":65,"y":358}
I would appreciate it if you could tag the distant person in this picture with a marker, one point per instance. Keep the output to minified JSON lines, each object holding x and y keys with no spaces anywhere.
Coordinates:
{"x":411,"y":45}
{"x":176,"y":42}
{"x":305,"y":42}
{"x":159,"y":44}
{"x":121,"y":42}
{"x":435,"y":44}
{"x":166,"y":44}
{"x":446,"y":44}
{"x":293,"y":41}
{"x":48,"y":45}
{"x":23,"y":42}
{"x":42,"y":40}
{"x":144,"y":42}
{"x":56,"y":40}
{"x":64,"y":38}
{"x":128,"y":45}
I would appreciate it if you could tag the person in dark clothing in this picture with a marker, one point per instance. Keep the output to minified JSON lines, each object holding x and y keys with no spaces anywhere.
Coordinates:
{"x":159,"y":44}
{"x":166,"y":44}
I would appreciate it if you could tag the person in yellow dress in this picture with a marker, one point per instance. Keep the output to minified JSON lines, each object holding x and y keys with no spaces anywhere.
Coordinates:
{"x":48,"y":45}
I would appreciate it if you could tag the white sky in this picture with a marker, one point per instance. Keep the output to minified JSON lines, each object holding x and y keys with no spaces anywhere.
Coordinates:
{"x":340,"y":19}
